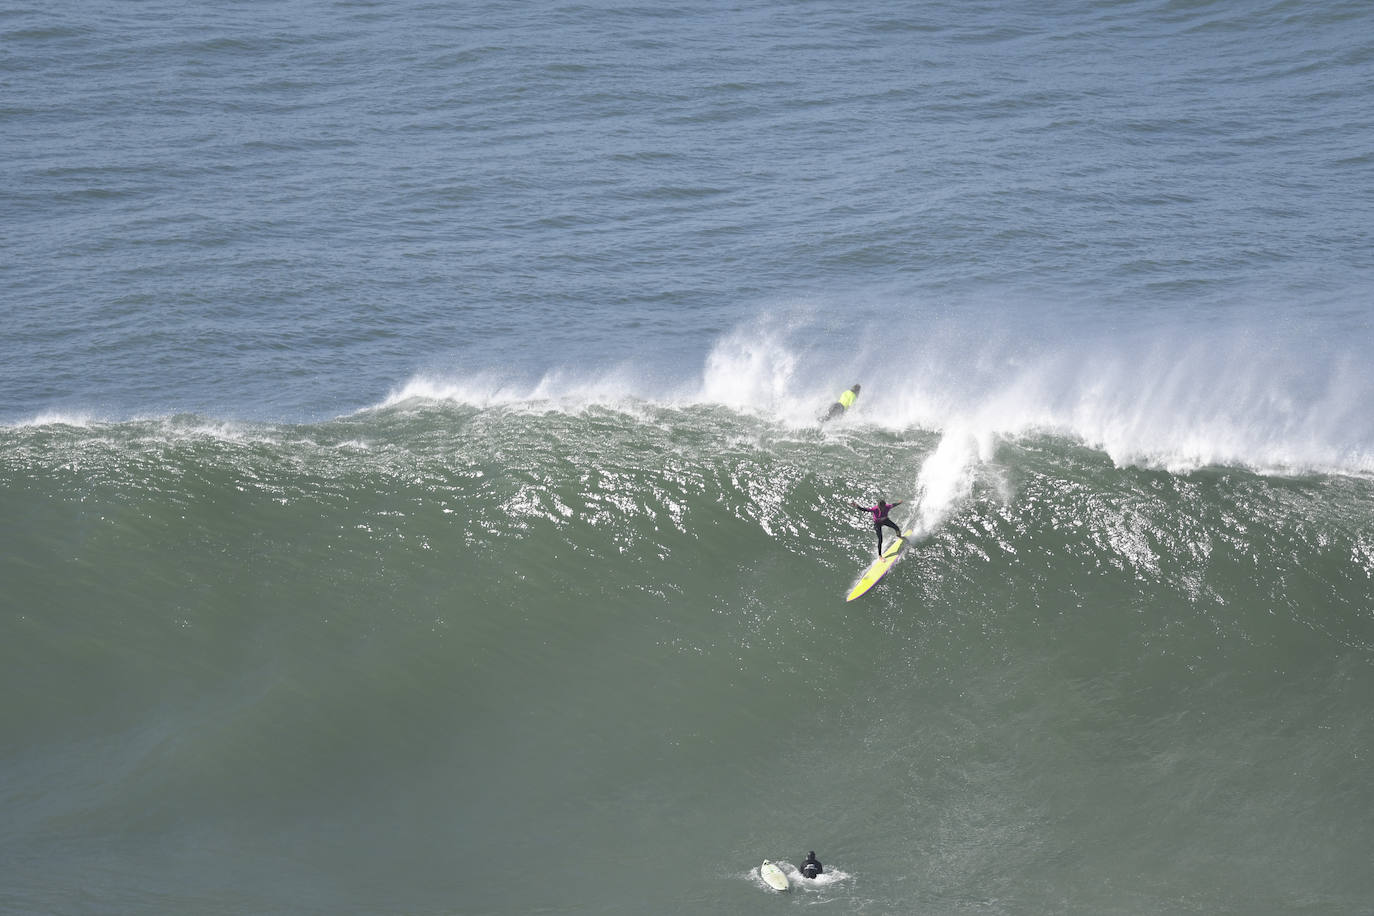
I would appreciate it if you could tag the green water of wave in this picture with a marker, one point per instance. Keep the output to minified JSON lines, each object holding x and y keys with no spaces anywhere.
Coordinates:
{"x":488,"y":634}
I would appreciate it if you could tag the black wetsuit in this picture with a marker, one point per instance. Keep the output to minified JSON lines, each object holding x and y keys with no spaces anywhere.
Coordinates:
{"x":811,"y":867}
{"x":880,"y":519}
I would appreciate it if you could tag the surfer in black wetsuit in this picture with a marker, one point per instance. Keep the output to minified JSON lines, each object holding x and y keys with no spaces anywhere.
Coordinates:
{"x":811,"y":867}
{"x":880,"y":519}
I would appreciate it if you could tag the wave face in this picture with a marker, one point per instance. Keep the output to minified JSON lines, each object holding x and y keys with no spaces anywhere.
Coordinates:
{"x":433,"y":646}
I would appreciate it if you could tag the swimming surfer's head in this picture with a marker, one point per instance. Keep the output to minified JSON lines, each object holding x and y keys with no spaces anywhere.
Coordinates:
{"x":855,"y":389}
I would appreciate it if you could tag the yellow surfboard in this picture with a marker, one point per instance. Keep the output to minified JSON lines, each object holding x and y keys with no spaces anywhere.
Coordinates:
{"x":880,"y":566}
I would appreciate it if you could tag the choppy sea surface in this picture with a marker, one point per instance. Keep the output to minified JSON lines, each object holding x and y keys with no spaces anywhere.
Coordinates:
{"x":412,"y":498}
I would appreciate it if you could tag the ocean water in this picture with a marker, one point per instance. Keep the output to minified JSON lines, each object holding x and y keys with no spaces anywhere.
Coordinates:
{"x":412,"y":498}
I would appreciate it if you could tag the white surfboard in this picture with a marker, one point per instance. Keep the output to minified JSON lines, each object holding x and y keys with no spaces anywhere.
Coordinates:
{"x":773,"y":876}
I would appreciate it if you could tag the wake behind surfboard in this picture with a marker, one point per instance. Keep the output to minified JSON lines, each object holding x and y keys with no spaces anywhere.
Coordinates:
{"x":880,"y":566}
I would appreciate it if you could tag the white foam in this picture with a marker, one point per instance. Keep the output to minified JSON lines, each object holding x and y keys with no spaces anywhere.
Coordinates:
{"x":753,"y":368}
{"x":797,"y":879}
{"x":557,"y":388}
{"x":946,"y":477}
{"x":1156,"y":402}
{"x":1177,"y":398}
{"x":59,"y":418}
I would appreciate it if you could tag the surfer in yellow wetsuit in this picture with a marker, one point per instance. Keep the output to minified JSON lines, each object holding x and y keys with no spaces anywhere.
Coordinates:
{"x":880,"y":519}
{"x":844,"y":402}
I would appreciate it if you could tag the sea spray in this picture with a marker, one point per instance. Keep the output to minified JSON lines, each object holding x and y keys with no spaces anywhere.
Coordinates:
{"x":946,"y":477}
{"x":1151,"y":397}
{"x":750,"y":369}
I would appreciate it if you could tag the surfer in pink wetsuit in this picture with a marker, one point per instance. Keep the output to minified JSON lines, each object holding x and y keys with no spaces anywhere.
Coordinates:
{"x":880,"y":519}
